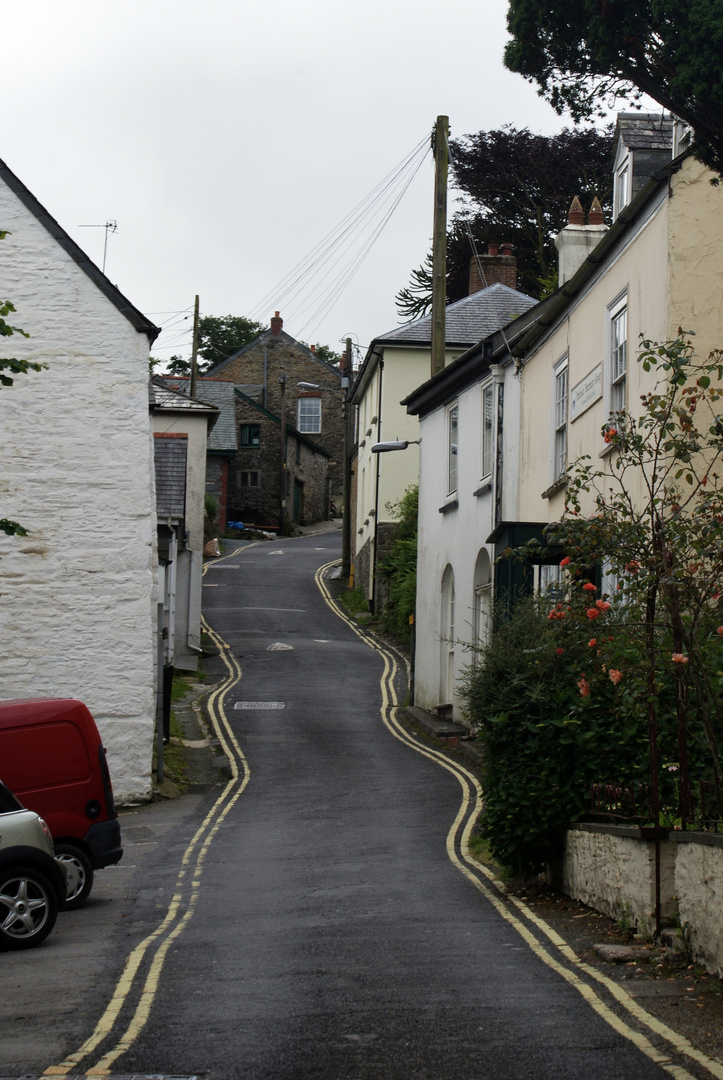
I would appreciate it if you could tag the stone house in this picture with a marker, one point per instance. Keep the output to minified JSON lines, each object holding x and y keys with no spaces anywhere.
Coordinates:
{"x":276,"y":376}
{"x":78,"y":612}
{"x":395,"y":364}
{"x":256,"y":481}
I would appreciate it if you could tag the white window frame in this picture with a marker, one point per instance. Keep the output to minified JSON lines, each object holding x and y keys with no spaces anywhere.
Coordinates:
{"x":487,"y":449}
{"x":452,"y":447}
{"x":308,"y":421}
{"x":618,"y":354}
{"x":560,"y":416}
{"x":622,"y":185}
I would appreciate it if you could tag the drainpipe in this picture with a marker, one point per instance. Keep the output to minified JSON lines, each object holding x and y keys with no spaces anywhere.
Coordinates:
{"x":498,"y":375}
{"x":373,"y":600}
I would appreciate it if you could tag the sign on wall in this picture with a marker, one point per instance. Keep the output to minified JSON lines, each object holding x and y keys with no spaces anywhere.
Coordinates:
{"x":586,"y":393}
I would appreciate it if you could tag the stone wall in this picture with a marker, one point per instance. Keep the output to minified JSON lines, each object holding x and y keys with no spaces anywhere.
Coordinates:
{"x":611,"y":868}
{"x":79,"y":592}
{"x":254,"y":484}
{"x":698,"y":885}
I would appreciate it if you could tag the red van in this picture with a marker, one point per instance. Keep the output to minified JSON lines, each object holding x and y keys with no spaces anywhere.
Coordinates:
{"x":53,"y":760}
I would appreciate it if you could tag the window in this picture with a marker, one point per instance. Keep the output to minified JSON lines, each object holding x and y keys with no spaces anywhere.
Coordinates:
{"x":560,"y":462}
{"x":249,"y":434}
{"x":618,"y":356}
{"x":452,"y":436}
{"x":249,"y":479}
{"x":621,"y":185}
{"x":309,"y":415}
{"x":488,"y":428}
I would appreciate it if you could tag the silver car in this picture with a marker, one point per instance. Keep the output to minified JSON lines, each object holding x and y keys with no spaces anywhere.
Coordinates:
{"x":32,"y":881}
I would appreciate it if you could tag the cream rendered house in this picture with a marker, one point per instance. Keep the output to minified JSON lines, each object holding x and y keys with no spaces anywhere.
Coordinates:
{"x":529,"y":399}
{"x":394,"y":365}
{"x":656,"y":269}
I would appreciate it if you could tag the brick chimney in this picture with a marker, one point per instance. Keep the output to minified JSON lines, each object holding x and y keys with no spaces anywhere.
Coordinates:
{"x":499,"y":264}
{"x":276,"y":323}
{"x":575,"y":242}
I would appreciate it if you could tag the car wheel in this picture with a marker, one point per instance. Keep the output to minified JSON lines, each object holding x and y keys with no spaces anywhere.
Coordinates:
{"x":28,"y":907}
{"x":78,"y":872}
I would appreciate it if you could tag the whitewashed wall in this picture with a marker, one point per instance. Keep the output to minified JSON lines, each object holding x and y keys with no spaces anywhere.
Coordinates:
{"x":456,"y":538}
{"x":77,"y":595}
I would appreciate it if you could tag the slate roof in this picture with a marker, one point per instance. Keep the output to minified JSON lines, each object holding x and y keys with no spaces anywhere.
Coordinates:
{"x":164,"y":398}
{"x":467,"y":321}
{"x":169,"y":455}
{"x":645,"y":131}
{"x":218,"y":393}
{"x":116,"y":297}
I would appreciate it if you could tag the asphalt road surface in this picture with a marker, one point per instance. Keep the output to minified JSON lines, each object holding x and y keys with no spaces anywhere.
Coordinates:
{"x":325,"y":931}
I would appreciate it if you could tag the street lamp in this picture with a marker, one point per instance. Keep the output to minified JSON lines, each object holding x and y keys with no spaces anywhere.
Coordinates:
{"x":386,"y":447}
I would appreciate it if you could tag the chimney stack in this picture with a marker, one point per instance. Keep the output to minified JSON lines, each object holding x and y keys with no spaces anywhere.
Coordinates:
{"x":276,"y":323}
{"x":576,"y":241}
{"x":498,"y":265}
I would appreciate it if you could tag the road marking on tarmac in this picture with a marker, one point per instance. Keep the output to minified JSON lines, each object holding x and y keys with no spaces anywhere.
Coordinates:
{"x":495,"y":892}
{"x":183,"y":903}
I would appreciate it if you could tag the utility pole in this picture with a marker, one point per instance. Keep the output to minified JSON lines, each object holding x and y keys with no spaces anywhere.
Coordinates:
{"x":194,"y":352}
{"x":346,"y":479}
{"x":282,"y":477}
{"x":440,"y":148}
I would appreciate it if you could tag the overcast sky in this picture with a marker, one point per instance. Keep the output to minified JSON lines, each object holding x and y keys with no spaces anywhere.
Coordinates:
{"x":228,"y":138}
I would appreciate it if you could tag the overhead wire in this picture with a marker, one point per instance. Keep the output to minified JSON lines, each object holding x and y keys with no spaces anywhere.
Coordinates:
{"x":307,"y":283}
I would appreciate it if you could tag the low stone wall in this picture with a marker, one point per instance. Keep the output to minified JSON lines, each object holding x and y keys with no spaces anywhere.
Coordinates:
{"x":699,"y":889}
{"x":611,"y":868}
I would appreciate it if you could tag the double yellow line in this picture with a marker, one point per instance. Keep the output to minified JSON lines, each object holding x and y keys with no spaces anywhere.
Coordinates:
{"x":150,"y":954}
{"x":534,"y":931}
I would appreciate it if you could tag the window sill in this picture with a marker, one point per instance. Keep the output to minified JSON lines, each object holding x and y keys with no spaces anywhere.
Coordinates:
{"x":608,"y":449}
{"x":486,"y":486}
{"x":553,"y":489}
{"x":449,"y":506}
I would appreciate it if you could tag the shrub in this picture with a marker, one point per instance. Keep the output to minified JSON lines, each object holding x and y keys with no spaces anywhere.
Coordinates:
{"x":551,"y":722}
{"x":399,"y":569}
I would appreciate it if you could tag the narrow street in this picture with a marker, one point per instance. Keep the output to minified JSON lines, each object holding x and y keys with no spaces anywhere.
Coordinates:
{"x":324,"y":922}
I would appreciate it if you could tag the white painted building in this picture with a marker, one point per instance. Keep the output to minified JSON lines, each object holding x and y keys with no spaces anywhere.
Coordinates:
{"x":394,"y":365}
{"x":78,"y":593}
{"x":468,"y":487}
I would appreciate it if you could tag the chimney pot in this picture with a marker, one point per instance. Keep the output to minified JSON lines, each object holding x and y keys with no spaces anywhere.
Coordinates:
{"x":575,"y":215}
{"x":493,"y":249}
{"x":595,"y":217}
{"x":506,"y":249}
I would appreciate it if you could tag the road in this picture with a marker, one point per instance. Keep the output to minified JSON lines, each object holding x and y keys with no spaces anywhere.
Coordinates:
{"x":324,"y":920}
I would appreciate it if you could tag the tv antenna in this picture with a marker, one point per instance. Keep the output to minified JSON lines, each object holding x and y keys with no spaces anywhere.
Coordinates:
{"x":110,"y":227}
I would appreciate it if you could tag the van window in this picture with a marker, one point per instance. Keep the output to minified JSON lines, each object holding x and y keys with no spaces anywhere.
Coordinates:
{"x":43,"y":755}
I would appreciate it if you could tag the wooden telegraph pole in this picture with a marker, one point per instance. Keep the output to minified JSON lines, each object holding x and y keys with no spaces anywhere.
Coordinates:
{"x":440,"y":148}
{"x":346,"y":415}
{"x":194,"y":352}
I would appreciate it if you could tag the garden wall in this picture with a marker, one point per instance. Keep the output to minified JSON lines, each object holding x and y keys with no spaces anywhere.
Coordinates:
{"x":611,"y":868}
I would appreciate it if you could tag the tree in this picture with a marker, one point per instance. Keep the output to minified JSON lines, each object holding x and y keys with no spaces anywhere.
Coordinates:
{"x":325,"y":353}
{"x":585,"y":53}
{"x":516,"y":188}
{"x":15,"y":367}
{"x":219,"y":336}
